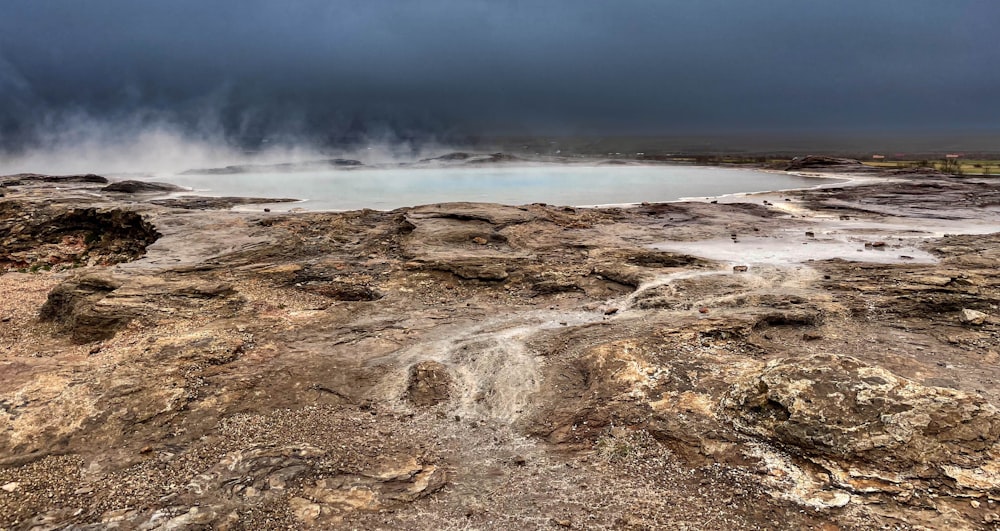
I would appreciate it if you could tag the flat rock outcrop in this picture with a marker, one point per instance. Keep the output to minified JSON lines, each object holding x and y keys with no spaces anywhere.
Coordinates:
{"x":140,"y":187}
{"x":30,"y":178}
{"x":867,"y":425}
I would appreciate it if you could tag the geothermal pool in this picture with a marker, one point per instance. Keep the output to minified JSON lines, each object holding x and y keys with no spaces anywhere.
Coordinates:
{"x":390,"y":188}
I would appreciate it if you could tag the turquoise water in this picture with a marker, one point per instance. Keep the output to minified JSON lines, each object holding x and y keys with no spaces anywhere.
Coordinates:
{"x":386,"y":189}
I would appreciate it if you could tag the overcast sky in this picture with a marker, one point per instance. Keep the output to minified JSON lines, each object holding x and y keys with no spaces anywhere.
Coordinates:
{"x":331,"y":67}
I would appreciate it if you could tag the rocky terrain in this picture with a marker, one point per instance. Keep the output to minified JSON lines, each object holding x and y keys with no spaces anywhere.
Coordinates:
{"x":823,"y":359}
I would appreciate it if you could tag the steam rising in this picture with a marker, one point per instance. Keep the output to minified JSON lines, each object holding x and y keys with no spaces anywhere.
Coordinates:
{"x":147,"y":145}
{"x":173,"y":85}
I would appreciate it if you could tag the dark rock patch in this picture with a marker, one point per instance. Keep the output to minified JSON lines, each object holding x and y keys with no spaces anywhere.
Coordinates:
{"x":216,"y":203}
{"x":56,"y":235}
{"x":662,"y":259}
{"x":342,"y":291}
{"x":140,"y":187}
{"x":494,"y":158}
{"x":430,"y":384}
{"x":457,"y":155}
{"x":72,"y":306}
{"x":30,"y":178}
{"x":282,"y":167}
{"x":811,"y":162}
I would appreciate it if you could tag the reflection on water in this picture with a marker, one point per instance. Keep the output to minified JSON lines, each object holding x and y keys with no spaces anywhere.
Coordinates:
{"x":387,"y":189}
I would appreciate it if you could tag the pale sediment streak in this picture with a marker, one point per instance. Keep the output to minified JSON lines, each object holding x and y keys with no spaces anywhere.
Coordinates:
{"x":494,"y":371}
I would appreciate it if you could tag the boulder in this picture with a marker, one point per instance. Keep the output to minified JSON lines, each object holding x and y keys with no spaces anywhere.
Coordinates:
{"x":972,"y":317}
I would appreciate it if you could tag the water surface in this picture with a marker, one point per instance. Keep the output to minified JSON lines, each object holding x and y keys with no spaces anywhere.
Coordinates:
{"x":386,"y":189}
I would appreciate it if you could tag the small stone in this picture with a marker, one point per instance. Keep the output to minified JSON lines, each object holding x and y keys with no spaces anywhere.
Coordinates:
{"x":10,"y":487}
{"x":812,"y":336}
{"x":267,"y":210}
{"x":740,"y":269}
{"x":562,"y":523}
{"x":146,"y":449}
{"x":810,"y":234}
{"x":877,"y":245}
{"x":972,"y":317}
{"x":479,"y":240}
{"x":974,"y":503}
{"x":610,"y":311}
{"x":703,"y":309}
{"x":519,"y":460}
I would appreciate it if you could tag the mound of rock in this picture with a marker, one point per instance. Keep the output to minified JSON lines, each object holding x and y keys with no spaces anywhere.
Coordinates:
{"x":72,"y":306}
{"x":94,"y":307}
{"x":140,"y":187}
{"x":21,"y":179}
{"x":817,"y":162}
{"x":455,"y":155}
{"x":310,"y":165}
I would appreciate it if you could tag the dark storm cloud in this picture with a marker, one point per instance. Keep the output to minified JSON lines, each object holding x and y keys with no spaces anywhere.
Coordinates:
{"x":333,"y":69}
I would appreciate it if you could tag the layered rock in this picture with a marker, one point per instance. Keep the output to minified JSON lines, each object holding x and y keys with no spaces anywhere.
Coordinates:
{"x":871,"y":429}
{"x":33,"y":237}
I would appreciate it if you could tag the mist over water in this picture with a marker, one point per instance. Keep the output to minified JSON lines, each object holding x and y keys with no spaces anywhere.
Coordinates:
{"x":171,"y":86}
{"x":141,"y":147}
